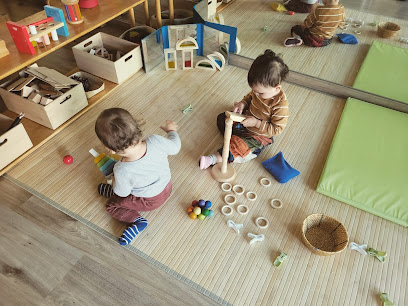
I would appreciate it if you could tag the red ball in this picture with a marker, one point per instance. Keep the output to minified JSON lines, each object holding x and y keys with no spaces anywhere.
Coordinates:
{"x":291,"y":13}
{"x":68,"y":159}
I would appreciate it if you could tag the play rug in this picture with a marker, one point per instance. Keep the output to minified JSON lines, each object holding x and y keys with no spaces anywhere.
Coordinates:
{"x":208,"y":255}
{"x":384,"y":72}
{"x":367,"y":164}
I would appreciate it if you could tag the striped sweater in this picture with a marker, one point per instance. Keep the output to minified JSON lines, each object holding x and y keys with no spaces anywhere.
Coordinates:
{"x":324,"y":20}
{"x":273,"y":113}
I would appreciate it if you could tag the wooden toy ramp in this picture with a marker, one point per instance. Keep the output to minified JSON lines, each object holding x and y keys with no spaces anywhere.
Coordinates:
{"x":208,"y":255}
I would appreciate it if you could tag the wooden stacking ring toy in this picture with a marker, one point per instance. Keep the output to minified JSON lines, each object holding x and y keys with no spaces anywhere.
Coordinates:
{"x":265,"y":182}
{"x":238,"y":189}
{"x":251,"y":196}
{"x":259,"y":220}
{"x":226,"y":210}
{"x":357,"y":32}
{"x":242,"y":209}
{"x":276,"y":203}
{"x":230,"y":199}
{"x":226,"y":187}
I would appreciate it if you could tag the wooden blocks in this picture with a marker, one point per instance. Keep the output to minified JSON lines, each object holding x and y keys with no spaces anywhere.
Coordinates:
{"x":3,"y":49}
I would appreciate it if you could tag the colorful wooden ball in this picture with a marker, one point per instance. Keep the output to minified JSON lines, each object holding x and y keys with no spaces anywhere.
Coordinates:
{"x":207,"y":204}
{"x":210,"y":213}
{"x":194,"y":203}
{"x":201,"y":203}
{"x":190,"y":209}
{"x":205,"y":212}
{"x":197,"y":210}
{"x":201,"y":217}
{"x":68,"y":159}
{"x":192,"y":215}
{"x":291,"y":13}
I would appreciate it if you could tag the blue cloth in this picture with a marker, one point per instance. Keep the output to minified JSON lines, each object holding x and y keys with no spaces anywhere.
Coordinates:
{"x":347,"y":39}
{"x":279,"y":168}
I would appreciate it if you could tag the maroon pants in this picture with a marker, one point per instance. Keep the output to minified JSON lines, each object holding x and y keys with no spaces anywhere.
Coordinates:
{"x":127,"y":209}
{"x":308,"y":38}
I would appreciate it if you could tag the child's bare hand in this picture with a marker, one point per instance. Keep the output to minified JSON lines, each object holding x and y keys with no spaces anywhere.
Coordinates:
{"x":251,"y":122}
{"x":169,"y":126}
{"x":239,"y":107}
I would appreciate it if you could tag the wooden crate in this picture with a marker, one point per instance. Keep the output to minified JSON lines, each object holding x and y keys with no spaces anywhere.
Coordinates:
{"x":51,"y":115}
{"x":115,"y":71}
{"x":13,"y":143}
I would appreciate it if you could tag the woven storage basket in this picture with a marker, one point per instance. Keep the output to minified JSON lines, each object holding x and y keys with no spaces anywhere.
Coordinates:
{"x":387,"y":29}
{"x":324,"y":235}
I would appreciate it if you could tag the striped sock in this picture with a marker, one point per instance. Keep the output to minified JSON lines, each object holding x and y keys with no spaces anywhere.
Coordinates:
{"x":105,"y":190}
{"x":130,"y":233}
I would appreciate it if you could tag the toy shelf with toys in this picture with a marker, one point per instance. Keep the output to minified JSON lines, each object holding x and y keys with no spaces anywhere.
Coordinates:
{"x":16,"y":61}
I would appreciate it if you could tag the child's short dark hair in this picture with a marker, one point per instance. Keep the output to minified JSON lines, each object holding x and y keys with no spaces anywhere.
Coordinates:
{"x":117,"y":129}
{"x":267,"y":70}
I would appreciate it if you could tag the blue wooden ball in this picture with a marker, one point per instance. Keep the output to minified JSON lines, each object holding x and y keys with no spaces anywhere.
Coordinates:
{"x":210,"y":213}
{"x":201,"y":203}
{"x":207,"y":204}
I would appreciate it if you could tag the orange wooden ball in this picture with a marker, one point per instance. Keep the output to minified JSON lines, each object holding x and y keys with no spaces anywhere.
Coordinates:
{"x":190,"y":209}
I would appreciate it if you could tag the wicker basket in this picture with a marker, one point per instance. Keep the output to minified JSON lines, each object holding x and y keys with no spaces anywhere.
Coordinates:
{"x":324,"y":235}
{"x":387,"y":29}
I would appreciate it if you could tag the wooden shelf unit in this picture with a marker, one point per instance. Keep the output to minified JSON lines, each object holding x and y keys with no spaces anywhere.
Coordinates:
{"x":16,"y":61}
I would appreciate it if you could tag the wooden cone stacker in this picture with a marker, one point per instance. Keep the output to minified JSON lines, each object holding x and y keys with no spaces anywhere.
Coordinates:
{"x":224,"y":172}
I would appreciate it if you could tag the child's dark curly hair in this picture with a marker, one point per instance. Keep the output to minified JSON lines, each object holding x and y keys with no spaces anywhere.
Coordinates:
{"x":267,"y":70}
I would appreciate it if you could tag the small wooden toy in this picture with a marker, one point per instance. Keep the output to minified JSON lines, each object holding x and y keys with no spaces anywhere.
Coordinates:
{"x":38,"y":30}
{"x":224,"y":172}
{"x":242,"y":209}
{"x":3,"y":49}
{"x":68,"y":159}
{"x":200,"y":209}
{"x":186,"y":46}
{"x":104,"y":162}
{"x":238,"y":189}
{"x":170,"y":59}
{"x":262,"y":222}
{"x":291,"y":13}
{"x":276,"y":203}
{"x":73,"y":12}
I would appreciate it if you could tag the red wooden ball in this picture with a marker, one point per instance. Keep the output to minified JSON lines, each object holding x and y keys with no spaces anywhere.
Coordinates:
{"x":291,"y":13}
{"x":68,"y":159}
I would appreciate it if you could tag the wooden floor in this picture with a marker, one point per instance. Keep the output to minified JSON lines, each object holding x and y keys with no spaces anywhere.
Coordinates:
{"x":50,"y":258}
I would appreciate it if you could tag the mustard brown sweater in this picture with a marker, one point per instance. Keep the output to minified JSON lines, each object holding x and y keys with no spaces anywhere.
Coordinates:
{"x":324,"y":20}
{"x":273,"y":113}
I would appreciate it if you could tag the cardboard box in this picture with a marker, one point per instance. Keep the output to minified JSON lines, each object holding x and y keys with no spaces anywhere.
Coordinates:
{"x":117,"y":70}
{"x":13,"y":143}
{"x":51,"y":115}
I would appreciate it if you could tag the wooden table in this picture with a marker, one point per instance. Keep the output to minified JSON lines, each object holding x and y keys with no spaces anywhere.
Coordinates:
{"x":16,"y":61}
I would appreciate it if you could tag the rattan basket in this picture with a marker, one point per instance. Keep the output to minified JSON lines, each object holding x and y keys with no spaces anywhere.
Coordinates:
{"x":387,"y":29}
{"x":324,"y":235}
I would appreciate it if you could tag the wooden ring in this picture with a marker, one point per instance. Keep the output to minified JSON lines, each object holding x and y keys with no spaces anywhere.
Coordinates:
{"x":232,"y":202}
{"x":279,"y":205}
{"x":258,"y":222}
{"x":357,"y":32}
{"x":226,"y":187}
{"x":241,"y":211}
{"x":225,"y":213}
{"x":251,"y":196}
{"x":265,"y":182}
{"x":238,"y":189}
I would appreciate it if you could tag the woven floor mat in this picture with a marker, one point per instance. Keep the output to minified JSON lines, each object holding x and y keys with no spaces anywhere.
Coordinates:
{"x":208,"y":253}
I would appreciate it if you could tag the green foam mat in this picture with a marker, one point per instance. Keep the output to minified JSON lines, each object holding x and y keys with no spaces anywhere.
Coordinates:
{"x":367,"y":166}
{"x":384,"y":72}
